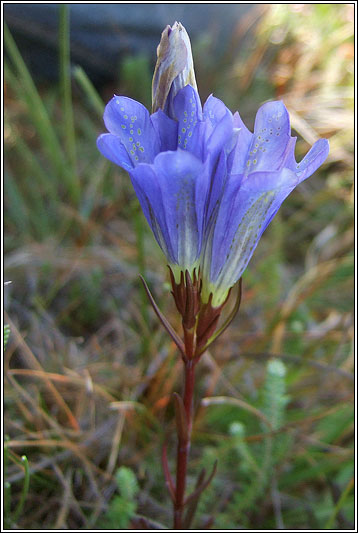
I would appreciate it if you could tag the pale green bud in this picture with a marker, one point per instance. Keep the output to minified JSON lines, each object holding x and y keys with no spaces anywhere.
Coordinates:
{"x":174,"y":68}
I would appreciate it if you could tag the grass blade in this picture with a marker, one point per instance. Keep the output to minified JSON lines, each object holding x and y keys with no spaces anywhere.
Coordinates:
{"x":339,"y":505}
{"x":25,"y":490}
{"x":87,"y":87}
{"x":66,"y":95}
{"x":22,"y":84}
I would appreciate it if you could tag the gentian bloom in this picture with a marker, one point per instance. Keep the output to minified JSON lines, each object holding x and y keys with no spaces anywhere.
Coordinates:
{"x":171,"y":155}
{"x":261,"y":171}
{"x":171,"y":163}
{"x":207,"y":185}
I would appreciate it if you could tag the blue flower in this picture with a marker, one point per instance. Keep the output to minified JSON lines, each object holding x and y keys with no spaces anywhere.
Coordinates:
{"x":258,"y":174}
{"x":172,"y":163}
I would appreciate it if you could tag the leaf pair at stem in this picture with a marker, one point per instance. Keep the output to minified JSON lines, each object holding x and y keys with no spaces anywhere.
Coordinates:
{"x":199,"y":319}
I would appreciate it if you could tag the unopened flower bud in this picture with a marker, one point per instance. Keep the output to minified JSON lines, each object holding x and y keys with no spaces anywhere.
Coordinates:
{"x":174,"y":68}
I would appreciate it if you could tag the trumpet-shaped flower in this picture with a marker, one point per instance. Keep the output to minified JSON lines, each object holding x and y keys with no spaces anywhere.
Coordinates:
{"x":171,"y":163}
{"x":261,"y":171}
{"x":207,"y":185}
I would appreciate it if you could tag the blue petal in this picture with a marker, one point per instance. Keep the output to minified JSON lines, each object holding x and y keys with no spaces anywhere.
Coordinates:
{"x":238,"y":156}
{"x":214,"y":110}
{"x":271,"y":136}
{"x":258,"y":182}
{"x":130,"y":121}
{"x":173,"y":193}
{"x":217,"y":187}
{"x":112,"y":148}
{"x":289,"y":154}
{"x":244,"y":213}
{"x":188,"y":112}
{"x":167,"y":130}
{"x":146,"y":185}
{"x":219,"y":130}
{"x":184,"y":185}
{"x":312,"y":160}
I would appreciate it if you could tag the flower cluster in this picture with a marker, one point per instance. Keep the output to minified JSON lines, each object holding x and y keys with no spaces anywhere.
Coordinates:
{"x":207,"y":185}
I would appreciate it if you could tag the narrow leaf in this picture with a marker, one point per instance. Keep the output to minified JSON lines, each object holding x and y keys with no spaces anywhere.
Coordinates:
{"x":190,"y":514}
{"x":197,"y":492}
{"x":168,"y":478}
{"x":163,"y":320}
{"x":181,"y":420}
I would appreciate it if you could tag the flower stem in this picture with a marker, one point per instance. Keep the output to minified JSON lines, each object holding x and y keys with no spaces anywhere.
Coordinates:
{"x":184,"y":443}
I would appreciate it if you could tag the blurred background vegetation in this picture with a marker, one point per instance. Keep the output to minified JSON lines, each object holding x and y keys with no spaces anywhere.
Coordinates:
{"x":89,"y":371}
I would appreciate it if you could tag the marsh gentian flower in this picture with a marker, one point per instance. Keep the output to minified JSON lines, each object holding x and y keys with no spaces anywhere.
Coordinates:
{"x":171,"y":163}
{"x":261,"y":171}
{"x":207,"y":185}
{"x":173,"y":155}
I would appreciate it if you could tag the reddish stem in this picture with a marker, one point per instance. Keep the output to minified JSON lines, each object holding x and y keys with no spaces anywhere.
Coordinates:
{"x":189,"y":342}
{"x":184,"y":443}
